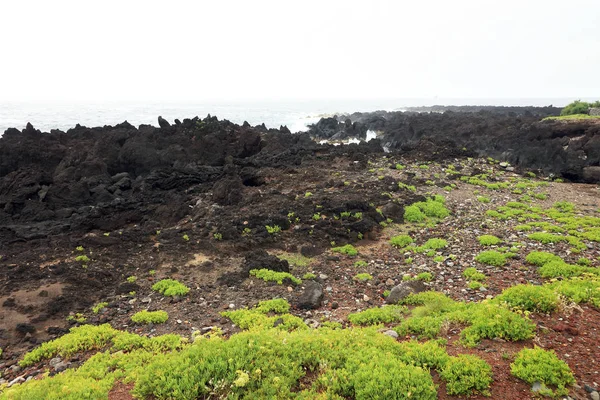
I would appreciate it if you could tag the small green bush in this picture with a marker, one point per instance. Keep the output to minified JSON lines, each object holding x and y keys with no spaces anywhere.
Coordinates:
{"x":530,"y":298}
{"x":540,"y":258}
{"x":425,"y":277}
{"x":273,"y":229}
{"x":483,"y":199}
{"x":546,"y":238}
{"x":435,"y":244}
{"x":99,"y":307}
{"x":491,"y":257}
{"x":362,"y":277}
{"x":488,"y":240}
{"x":539,"y":365}
{"x":413,"y":213}
{"x":401,"y":241}
{"x":378,"y":315}
{"x":150,"y":317}
{"x":170,"y":287}
{"x":361,"y":264}
{"x":466,"y":374}
{"x":347,"y":249}
{"x":473,"y":275}
{"x":268,"y":275}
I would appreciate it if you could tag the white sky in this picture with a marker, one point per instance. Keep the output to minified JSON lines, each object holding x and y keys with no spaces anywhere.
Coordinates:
{"x":199,"y":50}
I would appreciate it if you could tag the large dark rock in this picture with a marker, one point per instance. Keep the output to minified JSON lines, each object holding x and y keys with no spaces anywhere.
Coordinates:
{"x":311,"y":297}
{"x":404,"y":289}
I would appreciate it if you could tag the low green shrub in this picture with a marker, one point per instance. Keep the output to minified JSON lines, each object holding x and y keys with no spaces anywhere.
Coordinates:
{"x":401,"y":241}
{"x":491,"y":257}
{"x":170,"y":287}
{"x":347,"y":249}
{"x":467,"y":374}
{"x":483,"y":320}
{"x":425,"y":277}
{"x":488,"y":240}
{"x":546,"y":238}
{"x":363,"y":277}
{"x":544,"y":366}
{"x":473,"y":275}
{"x":378,"y":315}
{"x":268,"y":275}
{"x":540,"y":258}
{"x":530,"y":298}
{"x":150,"y":317}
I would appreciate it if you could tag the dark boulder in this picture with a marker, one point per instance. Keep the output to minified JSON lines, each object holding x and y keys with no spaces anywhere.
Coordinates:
{"x":311,"y":297}
{"x":404,"y":289}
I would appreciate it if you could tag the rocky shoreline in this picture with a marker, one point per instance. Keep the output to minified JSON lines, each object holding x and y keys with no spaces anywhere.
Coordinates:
{"x":98,"y":215}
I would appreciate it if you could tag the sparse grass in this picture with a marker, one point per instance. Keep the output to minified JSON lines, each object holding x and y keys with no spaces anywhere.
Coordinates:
{"x":295,"y":259}
{"x":99,"y":307}
{"x":483,"y":199}
{"x":571,"y":117}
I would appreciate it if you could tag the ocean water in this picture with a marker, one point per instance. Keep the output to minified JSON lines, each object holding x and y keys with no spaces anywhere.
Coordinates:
{"x":296,"y":115}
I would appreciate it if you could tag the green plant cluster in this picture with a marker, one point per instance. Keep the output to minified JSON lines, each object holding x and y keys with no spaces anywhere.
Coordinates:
{"x":268,"y":361}
{"x":578,"y":107}
{"x":491,"y":257}
{"x":544,"y":366}
{"x":489,"y":240}
{"x":422,"y":211}
{"x":573,"y":228}
{"x":170,"y":287}
{"x":150,"y":317}
{"x":378,"y":315}
{"x":484,"y":320}
{"x":268,"y":275}
{"x":347,"y":249}
{"x":295,"y":259}
{"x":552,"y":266}
{"x":530,"y":298}
{"x":362,"y":277}
{"x":401,"y":241}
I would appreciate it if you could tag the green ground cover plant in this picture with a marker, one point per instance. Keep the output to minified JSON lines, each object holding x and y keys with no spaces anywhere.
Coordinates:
{"x":484,"y":320}
{"x":544,"y":366}
{"x":150,"y":317}
{"x":491,"y":257}
{"x":378,"y":315}
{"x":268,"y":275}
{"x":170,"y":287}
{"x":489,"y":240}
{"x":348,"y":249}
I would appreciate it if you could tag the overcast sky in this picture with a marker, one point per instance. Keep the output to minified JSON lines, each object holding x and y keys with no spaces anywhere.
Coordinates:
{"x":199,"y":50}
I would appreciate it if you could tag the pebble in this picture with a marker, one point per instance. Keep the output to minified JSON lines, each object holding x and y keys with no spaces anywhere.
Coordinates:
{"x":391,"y":333}
{"x":366,"y":298}
{"x":595,"y":395}
{"x":146,"y":300}
{"x":232,"y":306}
{"x":179,"y":321}
{"x":323,"y":276}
